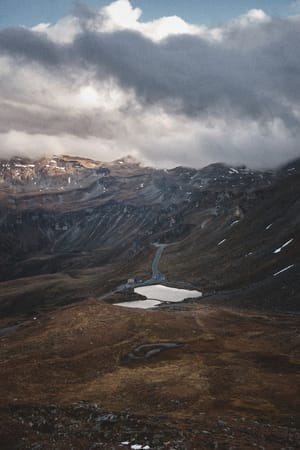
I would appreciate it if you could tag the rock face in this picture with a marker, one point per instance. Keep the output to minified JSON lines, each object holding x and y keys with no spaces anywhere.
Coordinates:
{"x":63,"y":214}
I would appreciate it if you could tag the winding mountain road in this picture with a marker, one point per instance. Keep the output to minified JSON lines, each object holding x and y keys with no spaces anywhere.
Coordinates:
{"x":156,"y":274}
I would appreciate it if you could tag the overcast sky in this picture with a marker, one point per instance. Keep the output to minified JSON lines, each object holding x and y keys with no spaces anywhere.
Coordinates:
{"x":183,"y":83}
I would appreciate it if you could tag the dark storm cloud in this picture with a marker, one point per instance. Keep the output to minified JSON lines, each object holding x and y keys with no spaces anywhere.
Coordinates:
{"x":53,"y":122}
{"x":251,"y":73}
{"x":205,"y":77}
{"x":31,"y":46}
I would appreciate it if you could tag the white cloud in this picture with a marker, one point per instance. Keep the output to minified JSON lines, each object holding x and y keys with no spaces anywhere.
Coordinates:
{"x":121,"y":15}
{"x":252,"y":17}
{"x":63,"y":32}
{"x":41,"y":27}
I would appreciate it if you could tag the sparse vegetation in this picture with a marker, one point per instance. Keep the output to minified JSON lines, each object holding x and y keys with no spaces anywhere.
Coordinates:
{"x":65,"y":379}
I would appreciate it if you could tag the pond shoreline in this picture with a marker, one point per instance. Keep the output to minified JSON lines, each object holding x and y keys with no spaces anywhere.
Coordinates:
{"x":158,"y":294}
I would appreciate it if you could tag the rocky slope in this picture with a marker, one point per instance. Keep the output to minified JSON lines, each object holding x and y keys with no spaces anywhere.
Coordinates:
{"x":72,"y":217}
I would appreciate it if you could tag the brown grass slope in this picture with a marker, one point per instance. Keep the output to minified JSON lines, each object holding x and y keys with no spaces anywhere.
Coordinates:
{"x":234,"y":367}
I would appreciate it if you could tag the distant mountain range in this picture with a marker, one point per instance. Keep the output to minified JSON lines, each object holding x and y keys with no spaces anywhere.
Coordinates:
{"x":71,"y":228}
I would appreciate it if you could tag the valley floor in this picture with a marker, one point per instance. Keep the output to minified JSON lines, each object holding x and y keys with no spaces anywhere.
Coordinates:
{"x":66,"y":380}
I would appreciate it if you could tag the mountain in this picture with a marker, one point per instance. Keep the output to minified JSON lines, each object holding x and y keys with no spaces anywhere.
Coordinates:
{"x":71,"y":225}
{"x":216,"y":371}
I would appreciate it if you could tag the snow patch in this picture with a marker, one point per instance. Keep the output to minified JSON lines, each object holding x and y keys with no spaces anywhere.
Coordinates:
{"x":278,"y":250}
{"x":283,"y":270}
{"x":222,"y":242}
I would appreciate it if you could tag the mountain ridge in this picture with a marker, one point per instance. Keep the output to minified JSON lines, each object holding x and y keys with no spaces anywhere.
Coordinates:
{"x":66,"y":214}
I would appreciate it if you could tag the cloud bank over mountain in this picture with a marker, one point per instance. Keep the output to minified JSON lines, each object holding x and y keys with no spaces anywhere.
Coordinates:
{"x":105,"y":84}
